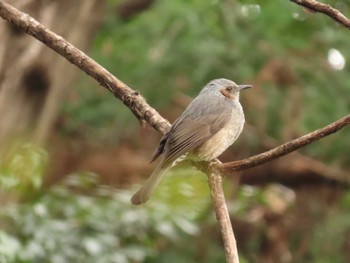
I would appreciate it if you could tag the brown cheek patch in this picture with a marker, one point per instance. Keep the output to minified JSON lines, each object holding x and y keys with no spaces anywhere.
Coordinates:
{"x":226,"y":93}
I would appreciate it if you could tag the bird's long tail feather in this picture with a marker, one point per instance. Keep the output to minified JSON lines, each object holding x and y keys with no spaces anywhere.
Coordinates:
{"x":142,"y":195}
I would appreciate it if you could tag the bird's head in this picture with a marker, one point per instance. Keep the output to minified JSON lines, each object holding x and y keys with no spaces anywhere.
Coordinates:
{"x":224,"y":87}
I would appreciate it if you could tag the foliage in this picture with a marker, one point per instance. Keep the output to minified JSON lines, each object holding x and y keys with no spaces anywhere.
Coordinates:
{"x":81,"y":221}
{"x":331,"y":236}
{"x":21,"y":169}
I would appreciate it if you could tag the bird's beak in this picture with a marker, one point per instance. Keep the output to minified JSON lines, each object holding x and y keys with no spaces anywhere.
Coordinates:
{"x":242,"y":87}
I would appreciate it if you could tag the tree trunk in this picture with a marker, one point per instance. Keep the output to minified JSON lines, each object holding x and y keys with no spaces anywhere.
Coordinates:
{"x":33,"y":79}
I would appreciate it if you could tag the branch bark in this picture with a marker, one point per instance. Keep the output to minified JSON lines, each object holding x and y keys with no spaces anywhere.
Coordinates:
{"x":222,"y":215}
{"x":328,"y":10}
{"x":146,"y":114}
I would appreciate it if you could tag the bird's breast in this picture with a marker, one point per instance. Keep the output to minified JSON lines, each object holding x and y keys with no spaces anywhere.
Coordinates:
{"x":224,"y":138}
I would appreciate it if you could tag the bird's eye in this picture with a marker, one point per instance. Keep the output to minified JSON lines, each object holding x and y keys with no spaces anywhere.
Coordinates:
{"x":229,"y":89}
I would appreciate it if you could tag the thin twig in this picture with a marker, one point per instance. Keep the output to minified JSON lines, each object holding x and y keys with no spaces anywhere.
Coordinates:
{"x":328,"y":10}
{"x":288,"y":147}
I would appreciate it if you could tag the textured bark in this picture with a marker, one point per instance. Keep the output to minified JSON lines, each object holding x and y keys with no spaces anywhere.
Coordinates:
{"x":222,"y":216}
{"x":328,"y":10}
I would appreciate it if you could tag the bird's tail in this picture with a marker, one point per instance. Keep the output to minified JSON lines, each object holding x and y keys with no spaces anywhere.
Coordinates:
{"x":142,"y":195}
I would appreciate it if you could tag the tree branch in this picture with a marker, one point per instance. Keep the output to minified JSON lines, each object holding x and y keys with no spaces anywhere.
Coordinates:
{"x":132,"y":99}
{"x":288,"y":147}
{"x":328,"y":10}
{"x":222,"y":215}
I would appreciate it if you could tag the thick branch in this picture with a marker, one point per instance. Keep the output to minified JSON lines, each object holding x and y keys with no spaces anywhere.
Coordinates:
{"x":231,"y":167}
{"x":328,"y":10}
{"x":132,"y":99}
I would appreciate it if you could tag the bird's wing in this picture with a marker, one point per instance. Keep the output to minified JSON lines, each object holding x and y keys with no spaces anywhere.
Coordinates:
{"x":198,"y":123}
{"x":160,"y":148}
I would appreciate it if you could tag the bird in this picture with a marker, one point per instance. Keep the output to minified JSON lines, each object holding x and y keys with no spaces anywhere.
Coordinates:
{"x":209,"y":125}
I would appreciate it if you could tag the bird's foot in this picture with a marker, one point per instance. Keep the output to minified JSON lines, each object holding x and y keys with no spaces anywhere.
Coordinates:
{"x":213,"y":163}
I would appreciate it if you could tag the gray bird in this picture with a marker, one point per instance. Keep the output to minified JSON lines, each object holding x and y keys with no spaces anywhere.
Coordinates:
{"x":208,"y":126}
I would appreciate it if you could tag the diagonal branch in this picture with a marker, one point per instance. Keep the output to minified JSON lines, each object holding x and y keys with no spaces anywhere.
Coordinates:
{"x":328,"y":10}
{"x":132,"y":99}
{"x":288,"y":147}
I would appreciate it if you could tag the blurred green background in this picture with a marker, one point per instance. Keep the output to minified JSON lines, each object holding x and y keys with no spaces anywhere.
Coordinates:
{"x":65,"y":198}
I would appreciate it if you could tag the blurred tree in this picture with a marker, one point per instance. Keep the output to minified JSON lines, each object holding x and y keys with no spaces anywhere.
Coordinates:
{"x":33,"y":80}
